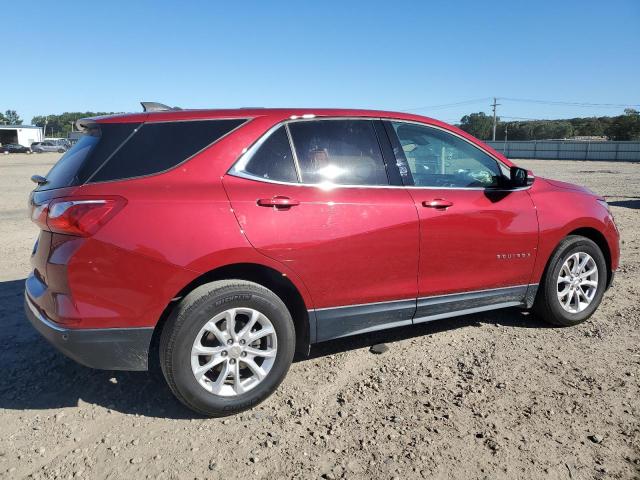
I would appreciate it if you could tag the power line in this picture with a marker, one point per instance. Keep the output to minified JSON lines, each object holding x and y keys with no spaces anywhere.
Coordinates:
{"x":528,"y":118}
{"x":525,"y":100}
{"x":545,"y":119}
{"x":574,"y":104}
{"x":447,"y":105}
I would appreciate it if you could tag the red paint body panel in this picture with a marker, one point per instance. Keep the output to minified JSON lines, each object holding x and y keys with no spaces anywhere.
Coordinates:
{"x":350,"y":245}
{"x":175,"y":227}
{"x":342,"y":246}
{"x":460,"y":244}
{"x":564,"y":209}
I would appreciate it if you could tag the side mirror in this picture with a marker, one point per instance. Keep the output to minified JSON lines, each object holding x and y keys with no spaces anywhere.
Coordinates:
{"x":520,"y":177}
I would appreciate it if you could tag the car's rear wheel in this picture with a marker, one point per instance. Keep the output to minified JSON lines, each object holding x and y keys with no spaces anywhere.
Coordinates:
{"x":61,"y":150}
{"x":226,"y":347}
{"x":573,"y":284}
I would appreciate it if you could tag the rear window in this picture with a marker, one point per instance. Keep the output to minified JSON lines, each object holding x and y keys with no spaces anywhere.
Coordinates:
{"x":115,"y":151}
{"x":157,"y":147}
{"x":273,"y":160}
{"x":78,"y":164}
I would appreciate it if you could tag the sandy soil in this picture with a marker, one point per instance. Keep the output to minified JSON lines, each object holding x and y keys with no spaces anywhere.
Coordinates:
{"x":495,"y":395}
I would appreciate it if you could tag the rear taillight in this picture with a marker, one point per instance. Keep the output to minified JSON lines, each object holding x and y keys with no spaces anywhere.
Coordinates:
{"x":39,"y":215}
{"x":76,"y":216}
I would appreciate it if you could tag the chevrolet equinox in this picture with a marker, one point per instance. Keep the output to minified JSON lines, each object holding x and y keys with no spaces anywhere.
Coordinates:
{"x":218,"y":243}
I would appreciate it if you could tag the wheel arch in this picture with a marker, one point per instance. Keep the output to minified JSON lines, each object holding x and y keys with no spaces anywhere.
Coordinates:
{"x":268,"y":277}
{"x":599,"y":239}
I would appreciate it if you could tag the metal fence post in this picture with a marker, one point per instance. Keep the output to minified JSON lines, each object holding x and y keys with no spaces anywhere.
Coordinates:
{"x":586,"y":153}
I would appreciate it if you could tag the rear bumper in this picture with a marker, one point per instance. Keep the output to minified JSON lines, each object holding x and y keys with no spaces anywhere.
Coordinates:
{"x":106,"y":348}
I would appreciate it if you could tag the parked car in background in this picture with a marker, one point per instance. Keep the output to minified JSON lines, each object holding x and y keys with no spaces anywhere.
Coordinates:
{"x":48,"y":146}
{"x":216,"y":243}
{"x":14,"y":148}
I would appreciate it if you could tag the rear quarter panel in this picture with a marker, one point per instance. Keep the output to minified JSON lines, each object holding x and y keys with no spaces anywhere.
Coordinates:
{"x":175,"y":227}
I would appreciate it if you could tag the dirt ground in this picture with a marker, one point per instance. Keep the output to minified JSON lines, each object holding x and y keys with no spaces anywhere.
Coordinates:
{"x":494,"y":395}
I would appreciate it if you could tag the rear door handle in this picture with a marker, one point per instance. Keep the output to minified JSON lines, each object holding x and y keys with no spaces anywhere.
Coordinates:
{"x":439,"y":203}
{"x":278,"y":202}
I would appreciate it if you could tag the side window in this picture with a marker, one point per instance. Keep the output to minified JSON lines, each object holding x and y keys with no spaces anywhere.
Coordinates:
{"x":338,"y":151}
{"x":273,"y":159}
{"x":157,"y":147}
{"x":440,"y":159}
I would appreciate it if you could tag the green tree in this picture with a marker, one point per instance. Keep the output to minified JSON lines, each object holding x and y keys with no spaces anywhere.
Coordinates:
{"x":60,"y":125}
{"x":480,"y":125}
{"x":625,"y":127}
{"x":552,"y":129}
{"x":592,"y":126}
{"x":622,"y":127}
{"x":12,"y":118}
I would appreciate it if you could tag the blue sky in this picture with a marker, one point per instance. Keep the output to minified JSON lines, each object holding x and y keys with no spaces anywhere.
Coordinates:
{"x":107,"y":56}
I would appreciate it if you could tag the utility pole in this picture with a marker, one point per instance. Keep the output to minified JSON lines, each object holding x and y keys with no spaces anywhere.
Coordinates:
{"x":506,"y":131}
{"x":494,"y":105}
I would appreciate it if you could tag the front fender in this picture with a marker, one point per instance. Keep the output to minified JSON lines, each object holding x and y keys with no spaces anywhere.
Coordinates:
{"x":564,"y":211}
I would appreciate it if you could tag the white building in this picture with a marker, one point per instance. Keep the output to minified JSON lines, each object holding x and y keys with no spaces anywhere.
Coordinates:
{"x":22,"y":134}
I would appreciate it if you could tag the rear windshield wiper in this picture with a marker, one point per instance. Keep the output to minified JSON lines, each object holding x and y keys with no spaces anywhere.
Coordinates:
{"x":39,"y":179}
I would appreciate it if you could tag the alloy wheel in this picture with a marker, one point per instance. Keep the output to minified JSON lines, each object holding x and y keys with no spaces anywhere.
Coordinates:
{"x":234,"y":351}
{"x":577,"y":282}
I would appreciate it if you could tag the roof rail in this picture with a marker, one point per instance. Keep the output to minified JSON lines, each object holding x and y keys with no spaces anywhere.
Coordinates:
{"x":156,"y":107}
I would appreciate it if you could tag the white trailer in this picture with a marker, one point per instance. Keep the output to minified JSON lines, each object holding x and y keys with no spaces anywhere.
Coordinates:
{"x":22,"y":134}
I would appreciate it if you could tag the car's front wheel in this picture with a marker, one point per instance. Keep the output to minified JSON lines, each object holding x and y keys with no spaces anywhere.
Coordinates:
{"x":573,"y":284}
{"x":226,"y":347}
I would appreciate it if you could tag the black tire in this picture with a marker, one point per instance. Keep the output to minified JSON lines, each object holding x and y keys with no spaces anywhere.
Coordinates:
{"x":61,"y":150}
{"x":184,"y":324}
{"x":547,"y":306}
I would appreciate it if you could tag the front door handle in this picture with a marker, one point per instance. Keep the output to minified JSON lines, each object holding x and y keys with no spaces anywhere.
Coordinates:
{"x":278,"y":202}
{"x":439,"y":203}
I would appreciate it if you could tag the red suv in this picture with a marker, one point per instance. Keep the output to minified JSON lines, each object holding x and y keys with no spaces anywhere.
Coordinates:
{"x":222,"y":242}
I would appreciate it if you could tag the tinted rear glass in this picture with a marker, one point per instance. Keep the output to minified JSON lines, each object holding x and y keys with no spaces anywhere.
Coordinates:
{"x":157,"y":147}
{"x":274,"y":159}
{"x":78,"y":164}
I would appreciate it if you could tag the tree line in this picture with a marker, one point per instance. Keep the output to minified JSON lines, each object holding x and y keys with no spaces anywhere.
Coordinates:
{"x":57,"y":125}
{"x":10,"y":117}
{"x":480,"y":125}
{"x":621,"y":127}
{"x":61,"y":125}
